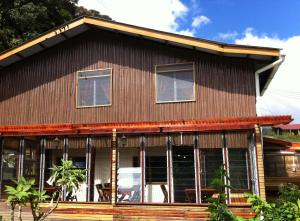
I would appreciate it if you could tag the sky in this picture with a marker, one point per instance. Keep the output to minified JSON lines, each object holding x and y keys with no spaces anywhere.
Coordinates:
{"x":271,"y":23}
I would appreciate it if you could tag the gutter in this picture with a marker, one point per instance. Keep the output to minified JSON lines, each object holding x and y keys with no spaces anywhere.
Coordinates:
{"x":275,"y":65}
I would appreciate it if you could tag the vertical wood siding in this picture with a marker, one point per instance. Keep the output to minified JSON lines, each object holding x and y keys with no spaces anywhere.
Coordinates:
{"x":41,"y":89}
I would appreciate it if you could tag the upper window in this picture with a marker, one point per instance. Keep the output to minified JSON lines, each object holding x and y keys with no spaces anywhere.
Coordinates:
{"x":94,"y":88}
{"x":175,"y":83}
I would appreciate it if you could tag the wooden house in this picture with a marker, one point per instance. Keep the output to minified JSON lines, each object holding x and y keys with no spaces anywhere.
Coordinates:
{"x":282,"y":164}
{"x":150,"y":115}
{"x":288,"y":128}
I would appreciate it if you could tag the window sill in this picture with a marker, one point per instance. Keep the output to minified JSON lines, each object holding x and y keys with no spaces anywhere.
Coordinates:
{"x":104,"y":105}
{"x":170,"y":102}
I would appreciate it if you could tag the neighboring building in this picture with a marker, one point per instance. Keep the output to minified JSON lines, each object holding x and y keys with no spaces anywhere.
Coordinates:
{"x":282,"y":164}
{"x":151,"y":116}
{"x":290,"y":128}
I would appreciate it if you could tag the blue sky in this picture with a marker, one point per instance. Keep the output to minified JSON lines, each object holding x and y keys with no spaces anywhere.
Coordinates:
{"x":273,"y":23}
{"x":279,"y":18}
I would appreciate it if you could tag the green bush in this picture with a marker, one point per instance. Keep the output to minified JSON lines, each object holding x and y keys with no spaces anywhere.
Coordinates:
{"x":66,"y":176}
{"x":285,"y":208}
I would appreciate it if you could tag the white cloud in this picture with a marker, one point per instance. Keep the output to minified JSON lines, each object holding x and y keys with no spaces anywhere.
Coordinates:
{"x":250,"y":38}
{"x":200,"y":21}
{"x":187,"y":32}
{"x":228,"y":35}
{"x":156,"y":14}
{"x":283,"y":94}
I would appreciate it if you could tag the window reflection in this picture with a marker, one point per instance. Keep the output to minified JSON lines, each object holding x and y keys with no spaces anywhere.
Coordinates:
{"x":183,"y":174}
{"x":211,"y":161}
{"x":129,"y":175}
{"x":10,"y":163}
{"x":100,"y":183}
{"x":31,"y":164}
{"x":156,"y":189}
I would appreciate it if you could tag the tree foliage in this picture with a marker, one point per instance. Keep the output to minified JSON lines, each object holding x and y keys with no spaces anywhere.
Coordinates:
{"x":65,"y":177}
{"x":21,"y":20}
{"x":285,"y":208}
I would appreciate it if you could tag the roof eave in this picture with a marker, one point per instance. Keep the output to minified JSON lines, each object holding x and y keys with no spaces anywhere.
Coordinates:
{"x":17,"y":53}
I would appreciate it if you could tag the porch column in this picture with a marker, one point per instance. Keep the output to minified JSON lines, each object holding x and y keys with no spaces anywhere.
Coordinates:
{"x":114,"y":166}
{"x":260,"y":162}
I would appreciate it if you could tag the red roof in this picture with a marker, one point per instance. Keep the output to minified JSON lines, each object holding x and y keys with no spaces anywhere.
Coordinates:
{"x":270,"y":141}
{"x":288,"y":127}
{"x":241,"y":123}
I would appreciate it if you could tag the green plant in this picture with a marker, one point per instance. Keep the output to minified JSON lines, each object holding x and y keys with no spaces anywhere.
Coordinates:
{"x":18,"y":195}
{"x":218,"y":207}
{"x":289,"y":192}
{"x":25,"y":193}
{"x":286,"y":207}
{"x":65,"y":177}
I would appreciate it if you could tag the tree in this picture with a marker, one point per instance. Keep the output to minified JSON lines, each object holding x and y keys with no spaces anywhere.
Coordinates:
{"x":18,"y":196}
{"x":21,"y":20}
{"x":65,"y":177}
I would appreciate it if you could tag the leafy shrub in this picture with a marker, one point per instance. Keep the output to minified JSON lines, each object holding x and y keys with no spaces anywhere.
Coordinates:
{"x":66,"y":176}
{"x":286,"y":207}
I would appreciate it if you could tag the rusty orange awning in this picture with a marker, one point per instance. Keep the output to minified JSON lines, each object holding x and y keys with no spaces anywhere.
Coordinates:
{"x":144,"y":127}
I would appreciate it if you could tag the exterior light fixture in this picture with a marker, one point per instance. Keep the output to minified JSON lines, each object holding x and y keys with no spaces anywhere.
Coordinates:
{"x":123,"y":141}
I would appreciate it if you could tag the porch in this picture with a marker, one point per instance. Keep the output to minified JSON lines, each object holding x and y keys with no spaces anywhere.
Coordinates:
{"x":108,"y":212}
{"x":134,"y":168}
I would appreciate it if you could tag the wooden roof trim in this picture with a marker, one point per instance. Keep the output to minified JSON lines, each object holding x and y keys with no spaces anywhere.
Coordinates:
{"x":144,"y":127}
{"x":276,"y":141}
{"x":237,"y":49}
{"x":42,"y":38}
{"x":193,"y":42}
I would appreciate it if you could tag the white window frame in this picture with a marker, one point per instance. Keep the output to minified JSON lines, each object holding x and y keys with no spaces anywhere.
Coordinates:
{"x":110,"y":85}
{"x":172,"y":72}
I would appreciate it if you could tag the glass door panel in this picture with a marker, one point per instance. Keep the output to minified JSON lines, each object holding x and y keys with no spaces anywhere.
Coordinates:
{"x":10,"y":163}
{"x":129,"y":174}
{"x":31,"y":164}
{"x":183,"y":174}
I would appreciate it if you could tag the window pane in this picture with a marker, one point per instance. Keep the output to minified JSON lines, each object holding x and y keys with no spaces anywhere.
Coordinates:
{"x":94,"y":73}
{"x":31,"y":166}
{"x":183,"y":174}
{"x":129,"y":171}
{"x":175,"y":83}
{"x":211,"y":161}
{"x":86,"y":91}
{"x":77,"y":153}
{"x":102,"y":95}
{"x":94,"y":91}
{"x":238,"y":171}
{"x":156,"y":173}
{"x":184,"y":86}
{"x":100,"y":169}
{"x":53,"y":156}
{"x":275,"y":165}
{"x":165,"y":87}
{"x":10,"y":163}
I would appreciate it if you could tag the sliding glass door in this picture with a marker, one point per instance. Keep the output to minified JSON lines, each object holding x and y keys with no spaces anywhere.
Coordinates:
{"x":183,"y":171}
{"x":10,"y":163}
{"x":156,"y":170}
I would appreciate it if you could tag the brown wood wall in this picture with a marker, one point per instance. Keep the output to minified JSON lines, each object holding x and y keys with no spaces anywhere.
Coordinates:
{"x":41,"y":89}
